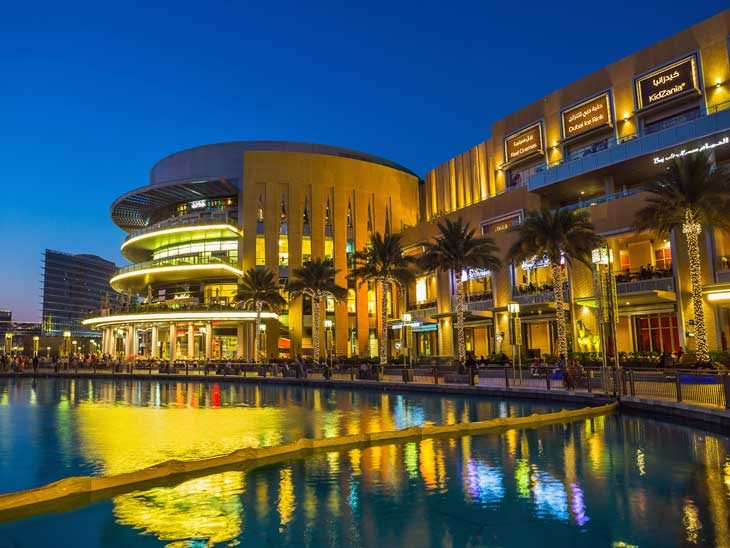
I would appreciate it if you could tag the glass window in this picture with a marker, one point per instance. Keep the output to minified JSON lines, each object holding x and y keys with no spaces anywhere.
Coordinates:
{"x":371,"y":302}
{"x":329,"y":247}
{"x":663,"y":256}
{"x":260,"y":251}
{"x":283,"y":250}
{"x":306,"y":249}
{"x":656,"y":333}
{"x":351,"y":301}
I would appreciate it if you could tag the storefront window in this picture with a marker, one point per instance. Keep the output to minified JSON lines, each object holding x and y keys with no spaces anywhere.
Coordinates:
{"x":329,"y":248}
{"x":656,"y":333}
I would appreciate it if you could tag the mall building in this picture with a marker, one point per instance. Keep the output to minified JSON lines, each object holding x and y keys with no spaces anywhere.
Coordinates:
{"x":210,"y":213}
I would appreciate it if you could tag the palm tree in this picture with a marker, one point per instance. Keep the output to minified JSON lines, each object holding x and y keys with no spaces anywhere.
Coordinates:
{"x":557,"y":235}
{"x":691,"y":196}
{"x":258,"y":290}
{"x":455,"y":249}
{"x":383,"y":263}
{"x":316,"y":280}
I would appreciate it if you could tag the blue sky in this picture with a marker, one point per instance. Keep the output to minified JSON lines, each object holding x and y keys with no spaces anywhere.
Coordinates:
{"x":91,"y":95}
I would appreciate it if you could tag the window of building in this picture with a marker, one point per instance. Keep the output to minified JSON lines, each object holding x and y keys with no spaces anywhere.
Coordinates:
{"x":260,"y":251}
{"x":372,"y":305}
{"x":329,"y":248}
{"x":306,"y":249}
{"x":585,"y":149}
{"x":351,"y":301}
{"x":283,"y":250}
{"x":421,"y":292}
{"x":656,"y":332}
{"x":663,"y":256}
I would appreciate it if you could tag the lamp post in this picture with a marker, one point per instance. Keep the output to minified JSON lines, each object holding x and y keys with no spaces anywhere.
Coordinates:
{"x":36,"y":342}
{"x":407,"y":318}
{"x":605,"y":289}
{"x":328,"y":342}
{"x":515,"y":329}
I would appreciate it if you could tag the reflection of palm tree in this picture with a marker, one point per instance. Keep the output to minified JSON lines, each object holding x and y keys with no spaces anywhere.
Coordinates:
{"x":383,"y":263}
{"x":691,"y":196}
{"x":316,"y":280}
{"x":258,"y":290}
{"x":455,"y":249}
{"x":556,"y":235}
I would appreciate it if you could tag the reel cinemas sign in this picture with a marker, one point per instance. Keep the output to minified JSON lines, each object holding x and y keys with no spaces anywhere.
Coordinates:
{"x":667,"y":82}
{"x":525,"y":142}
{"x":586,"y":116}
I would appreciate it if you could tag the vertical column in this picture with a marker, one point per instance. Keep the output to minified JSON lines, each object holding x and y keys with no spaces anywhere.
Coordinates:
{"x":135,"y":341}
{"x":173,"y":341}
{"x":103,"y":340}
{"x":155,"y":335}
{"x":240,"y":341}
{"x":128,"y":342}
{"x":208,"y":341}
{"x":191,"y":341}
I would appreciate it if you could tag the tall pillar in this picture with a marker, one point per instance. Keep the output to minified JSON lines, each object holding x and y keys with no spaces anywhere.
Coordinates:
{"x":135,"y":341}
{"x":103,"y":340}
{"x":153,"y":351}
{"x":128,"y":342}
{"x":173,"y":341}
{"x":191,"y":341}
{"x":208,"y":341}
{"x":240,"y":341}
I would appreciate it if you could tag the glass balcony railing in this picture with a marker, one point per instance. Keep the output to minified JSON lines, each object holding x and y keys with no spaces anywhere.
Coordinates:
{"x":645,"y":280}
{"x":538,"y":294}
{"x":178,"y":261}
{"x":191,"y":219}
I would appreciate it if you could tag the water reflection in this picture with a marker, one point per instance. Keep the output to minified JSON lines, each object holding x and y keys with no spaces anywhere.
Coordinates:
{"x":473,"y":490}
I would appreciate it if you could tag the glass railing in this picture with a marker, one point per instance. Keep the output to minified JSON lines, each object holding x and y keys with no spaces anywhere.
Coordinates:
{"x":201,"y":219}
{"x":590,"y":202}
{"x":178,"y":261}
{"x":168,"y":306}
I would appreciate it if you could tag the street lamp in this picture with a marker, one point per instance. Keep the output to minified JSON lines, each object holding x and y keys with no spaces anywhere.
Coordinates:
{"x":328,"y":331}
{"x":407,"y":318}
{"x":515,"y":332}
{"x":36,"y":342}
{"x":605,"y":290}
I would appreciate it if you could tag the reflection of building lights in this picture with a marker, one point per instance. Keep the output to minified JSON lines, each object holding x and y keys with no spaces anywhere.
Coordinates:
{"x":578,"y":505}
{"x":485,"y":483}
{"x":640,"y":462}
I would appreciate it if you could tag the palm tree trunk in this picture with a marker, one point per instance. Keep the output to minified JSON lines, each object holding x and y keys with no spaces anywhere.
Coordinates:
{"x":560,"y":309}
{"x":383,"y":345}
{"x":461,"y":344}
{"x":316,"y":311}
{"x":257,"y":334}
{"x":692,"y":230}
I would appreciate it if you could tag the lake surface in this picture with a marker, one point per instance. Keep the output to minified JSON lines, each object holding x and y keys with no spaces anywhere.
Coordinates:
{"x":609,"y":481}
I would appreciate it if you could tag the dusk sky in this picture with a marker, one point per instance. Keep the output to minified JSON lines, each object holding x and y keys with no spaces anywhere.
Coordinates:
{"x":92,"y":95}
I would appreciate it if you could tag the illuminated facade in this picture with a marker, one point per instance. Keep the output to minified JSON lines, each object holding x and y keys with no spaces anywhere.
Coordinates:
{"x":591,"y":145}
{"x":212,"y":212}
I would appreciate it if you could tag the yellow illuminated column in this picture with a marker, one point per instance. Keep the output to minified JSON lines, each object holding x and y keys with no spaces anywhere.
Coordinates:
{"x":173,"y":341}
{"x":104,"y":336}
{"x":135,"y":341}
{"x":191,"y":341}
{"x":239,"y":341}
{"x":208,"y":341}
{"x":153,"y":350}
{"x":128,"y":342}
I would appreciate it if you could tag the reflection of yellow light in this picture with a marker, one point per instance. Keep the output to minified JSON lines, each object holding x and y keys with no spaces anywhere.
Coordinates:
{"x":203,"y":228}
{"x":715,"y":296}
{"x":522,"y":478}
{"x":511,"y":437}
{"x":178,"y":268}
{"x":411,"y":459}
{"x":691,"y":521}
{"x":172,"y":316}
{"x":204,"y":508}
{"x":286,"y":503}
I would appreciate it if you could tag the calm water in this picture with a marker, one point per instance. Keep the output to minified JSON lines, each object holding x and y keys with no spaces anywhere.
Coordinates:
{"x":615,"y":481}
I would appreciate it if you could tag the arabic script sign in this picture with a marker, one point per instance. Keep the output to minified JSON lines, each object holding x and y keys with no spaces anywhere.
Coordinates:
{"x":525,"y":142}
{"x":588,"y":115}
{"x":690,"y":151}
{"x":667,"y":82}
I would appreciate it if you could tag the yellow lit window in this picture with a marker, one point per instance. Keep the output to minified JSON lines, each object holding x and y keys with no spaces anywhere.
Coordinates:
{"x":260,"y":251}
{"x":371,"y":302}
{"x":306,"y":249}
{"x":351,"y":301}
{"x":421,"y":292}
{"x":329,"y":247}
{"x":283,"y":250}
{"x":330,"y":304}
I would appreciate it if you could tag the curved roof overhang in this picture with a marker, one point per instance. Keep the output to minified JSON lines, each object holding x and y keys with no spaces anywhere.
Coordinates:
{"x":173,"y":316}
{"x":138,"y":279}
{"x":131,"y":210}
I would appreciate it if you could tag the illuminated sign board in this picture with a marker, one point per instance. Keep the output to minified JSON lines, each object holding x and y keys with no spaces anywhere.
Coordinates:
{"x":586,"y":116}
{"x":524,"y":143}
{"x":689,"y":151}
{"x":667,"y":82}
{"x":198,"y":204}
{"x":500,"y":225}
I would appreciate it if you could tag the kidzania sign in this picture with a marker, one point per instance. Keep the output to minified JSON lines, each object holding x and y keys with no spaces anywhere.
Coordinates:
{"x":667,"y":82}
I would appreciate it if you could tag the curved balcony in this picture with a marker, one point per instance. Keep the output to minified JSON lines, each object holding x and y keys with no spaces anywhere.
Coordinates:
{"x":138,"y":276}
{"x":138,"y":245}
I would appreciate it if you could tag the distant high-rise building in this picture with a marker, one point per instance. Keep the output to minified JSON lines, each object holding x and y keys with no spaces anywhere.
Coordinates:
{"x":74,"y":286}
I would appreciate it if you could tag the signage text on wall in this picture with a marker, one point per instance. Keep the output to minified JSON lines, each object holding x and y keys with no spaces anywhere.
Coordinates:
{"x":689,"y":151}
{"x":667,"y":82}
{"x":524,"y":143}
{"x":586,"y":116}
